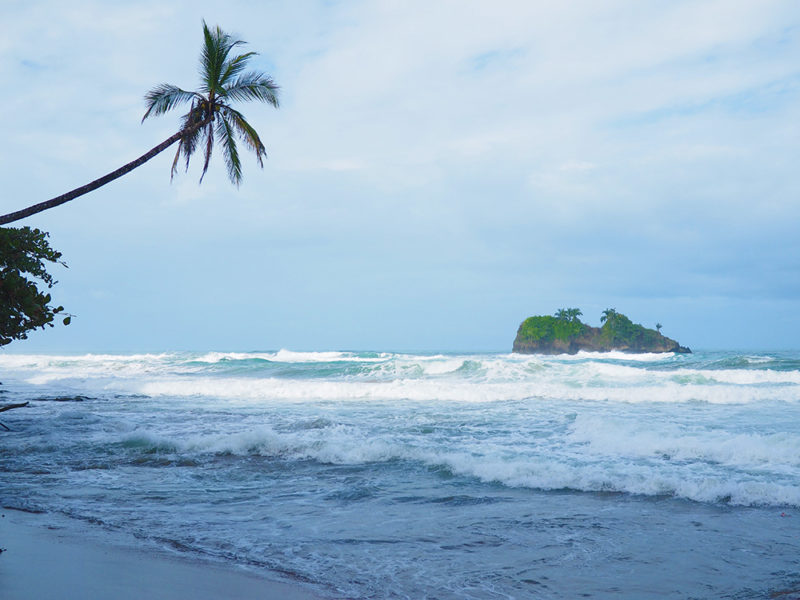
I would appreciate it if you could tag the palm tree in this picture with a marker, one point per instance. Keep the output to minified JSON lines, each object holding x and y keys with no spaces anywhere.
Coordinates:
{"x":568,"y":314}
{"x":658,"y":327}
{"x":210,"y":117}
{"x":609,"y":315}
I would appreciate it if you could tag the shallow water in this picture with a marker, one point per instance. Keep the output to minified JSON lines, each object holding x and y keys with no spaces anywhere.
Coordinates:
{"x":442,"y":476}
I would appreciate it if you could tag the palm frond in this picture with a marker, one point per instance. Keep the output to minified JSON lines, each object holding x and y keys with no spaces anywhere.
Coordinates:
{"x":165,"y":97}
{"x":247,"y":134}
{"x":174,"y":168}
{"x":209,"y":63}
{"x":233,"y":67}
{"x":186,"y":147}
{"x":230,"y":152}
{"x":254,"y":86}
{"x":208,"y":131}
{"x":216,"y":46}
{"x":188,"y":143}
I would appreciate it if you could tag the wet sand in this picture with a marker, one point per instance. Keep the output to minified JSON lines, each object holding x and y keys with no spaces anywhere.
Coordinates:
{"x":48,"y":562}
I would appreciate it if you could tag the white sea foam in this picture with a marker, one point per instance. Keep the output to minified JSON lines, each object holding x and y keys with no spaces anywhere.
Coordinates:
{"x":434,"y":390}
{"x":578,"y":371}
{"x":671,"y":442}
{"x":44,"y":369}
{"x":215,"y":357}
{"x":613,"y":355}
{"x":747,"y":376}
{"x":477,"y":378}
{"x":576,"y":466}
{"x":289,"y":356}
{"x":626,"y":356}
{"x":99,"y":361}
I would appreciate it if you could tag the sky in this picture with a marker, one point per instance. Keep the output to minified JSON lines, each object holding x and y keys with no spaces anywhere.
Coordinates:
{"x":438,"y":171}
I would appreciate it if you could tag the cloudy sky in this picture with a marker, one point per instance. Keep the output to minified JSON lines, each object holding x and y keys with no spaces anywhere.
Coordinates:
{"x":438,"y":171}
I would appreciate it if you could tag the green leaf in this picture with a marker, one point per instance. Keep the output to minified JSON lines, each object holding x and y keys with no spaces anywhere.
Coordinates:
{"x":23,"y":306}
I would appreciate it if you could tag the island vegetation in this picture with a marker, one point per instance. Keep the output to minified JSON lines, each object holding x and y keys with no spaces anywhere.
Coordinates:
{"x":565,"y":333}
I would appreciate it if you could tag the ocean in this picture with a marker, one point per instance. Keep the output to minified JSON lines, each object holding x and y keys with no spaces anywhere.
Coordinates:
{"x":390,"y":475}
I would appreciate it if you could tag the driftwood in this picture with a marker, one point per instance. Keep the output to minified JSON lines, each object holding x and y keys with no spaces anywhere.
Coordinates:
{"x":9,"y":407}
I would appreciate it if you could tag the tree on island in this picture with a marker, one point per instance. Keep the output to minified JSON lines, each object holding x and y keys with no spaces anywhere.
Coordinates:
{"x":568,"y":314}
{"x":609,"y":315}
{"x":658,"y":327}
{"x":210,"y":117}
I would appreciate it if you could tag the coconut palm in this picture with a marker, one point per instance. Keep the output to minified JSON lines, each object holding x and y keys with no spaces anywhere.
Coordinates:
{"x":223,"y":81}
{"x":609,"y":314}
{"x":568,"y":314}
{"x":210,"y":118}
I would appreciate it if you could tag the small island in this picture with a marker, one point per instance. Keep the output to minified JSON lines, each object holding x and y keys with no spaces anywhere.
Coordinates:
{"x":564,"y":333}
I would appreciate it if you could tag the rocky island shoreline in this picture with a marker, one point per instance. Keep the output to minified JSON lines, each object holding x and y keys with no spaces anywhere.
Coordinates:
{"x":565,"y":333}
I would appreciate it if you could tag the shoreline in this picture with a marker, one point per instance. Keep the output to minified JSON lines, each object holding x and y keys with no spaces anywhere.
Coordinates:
{"x":46,"y":560}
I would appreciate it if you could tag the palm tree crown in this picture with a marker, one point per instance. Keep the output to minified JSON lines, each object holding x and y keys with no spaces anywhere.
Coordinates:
{"x":223,"y":80}
{"x":609,"y":314}
{"x":210,"y":117}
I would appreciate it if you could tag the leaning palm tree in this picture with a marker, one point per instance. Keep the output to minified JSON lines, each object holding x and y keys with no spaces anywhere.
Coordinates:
{"x":210,"y":118}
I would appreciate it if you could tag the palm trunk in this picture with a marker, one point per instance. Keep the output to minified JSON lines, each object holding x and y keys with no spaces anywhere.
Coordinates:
{"x":85,"y":189}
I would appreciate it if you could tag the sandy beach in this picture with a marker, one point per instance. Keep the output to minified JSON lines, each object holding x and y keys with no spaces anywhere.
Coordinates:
{"x":45,"y":561}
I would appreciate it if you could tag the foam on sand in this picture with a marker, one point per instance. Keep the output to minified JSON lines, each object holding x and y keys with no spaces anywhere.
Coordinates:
{"x":48,"y":562}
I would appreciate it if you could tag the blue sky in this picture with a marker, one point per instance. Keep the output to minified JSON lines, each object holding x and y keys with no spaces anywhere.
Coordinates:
{"x":437,"y":172}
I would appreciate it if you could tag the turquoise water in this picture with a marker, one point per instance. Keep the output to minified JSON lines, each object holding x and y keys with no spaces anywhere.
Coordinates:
{"x":373,"y":475}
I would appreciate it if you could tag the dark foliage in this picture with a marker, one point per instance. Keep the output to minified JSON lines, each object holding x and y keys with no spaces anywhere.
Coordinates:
{"x":23,"y":306}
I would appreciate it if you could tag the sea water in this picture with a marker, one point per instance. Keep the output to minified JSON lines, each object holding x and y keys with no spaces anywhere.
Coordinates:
{"x":385,"y":475}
